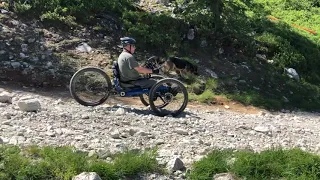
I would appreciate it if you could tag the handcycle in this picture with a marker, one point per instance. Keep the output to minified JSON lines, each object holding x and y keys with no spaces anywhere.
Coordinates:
{"x":101,"y":88}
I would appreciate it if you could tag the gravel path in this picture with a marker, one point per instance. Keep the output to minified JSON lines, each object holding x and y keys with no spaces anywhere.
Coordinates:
{"x":111,"y":128}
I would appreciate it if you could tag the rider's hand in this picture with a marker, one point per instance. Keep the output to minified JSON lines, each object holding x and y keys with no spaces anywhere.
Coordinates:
{"x":155,"y":71}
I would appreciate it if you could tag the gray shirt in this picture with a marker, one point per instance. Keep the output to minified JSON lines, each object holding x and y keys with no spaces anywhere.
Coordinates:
{"x":127,"y":63}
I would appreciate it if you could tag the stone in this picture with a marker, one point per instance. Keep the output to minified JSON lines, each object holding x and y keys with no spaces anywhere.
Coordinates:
{"x":31,"y":40}
{"x":292,"y":73}
{"x":84,"y":47}
{"x":225,"y":176}
{"x":115,"y":135}
{"x":181,"y":131}
{"x":175,"y":164}
{"x":262,"y":129}
{"x":87,"y":176}
{"x":212,"y":74}
{"x":6,"y":97}
{"x":15,"y":65}
{"x":120,"y":111}
{"x":29,"y":105}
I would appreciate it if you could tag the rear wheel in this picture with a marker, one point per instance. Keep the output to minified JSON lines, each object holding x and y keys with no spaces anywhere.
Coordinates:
{"x":90,"y":86}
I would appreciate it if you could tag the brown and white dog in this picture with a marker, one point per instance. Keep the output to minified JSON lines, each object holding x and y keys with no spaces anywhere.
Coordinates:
{"x":179,"y":65}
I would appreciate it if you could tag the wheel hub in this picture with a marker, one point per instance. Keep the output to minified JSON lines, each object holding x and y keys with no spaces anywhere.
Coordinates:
{"x":168,"y":97}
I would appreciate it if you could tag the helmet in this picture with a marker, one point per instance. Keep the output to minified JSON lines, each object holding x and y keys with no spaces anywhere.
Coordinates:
{"x":127,"y":41}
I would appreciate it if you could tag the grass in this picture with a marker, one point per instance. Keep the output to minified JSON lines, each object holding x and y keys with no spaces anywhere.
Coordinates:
{"x":65,"y":162}
{"x":48,"y":162}
{"x":201,"y":90}
{"x":269,"y":164}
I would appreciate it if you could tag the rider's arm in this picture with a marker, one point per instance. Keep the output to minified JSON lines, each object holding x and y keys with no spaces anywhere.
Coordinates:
{"x":133,"y":64}
{"x":143,"y":70}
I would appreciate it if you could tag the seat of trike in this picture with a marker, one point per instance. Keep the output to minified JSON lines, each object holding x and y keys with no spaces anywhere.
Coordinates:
{"x":118,"y":83}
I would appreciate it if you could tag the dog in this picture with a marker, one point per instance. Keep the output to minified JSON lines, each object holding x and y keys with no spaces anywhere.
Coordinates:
{"x":180,"y":66}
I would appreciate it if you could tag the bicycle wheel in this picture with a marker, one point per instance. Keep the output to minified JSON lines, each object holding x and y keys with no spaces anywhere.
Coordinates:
{"x":90,"y":86}
{"x":170,"y":92}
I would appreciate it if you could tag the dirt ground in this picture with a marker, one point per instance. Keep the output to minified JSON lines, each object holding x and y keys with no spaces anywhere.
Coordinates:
{"x":63,"y":94}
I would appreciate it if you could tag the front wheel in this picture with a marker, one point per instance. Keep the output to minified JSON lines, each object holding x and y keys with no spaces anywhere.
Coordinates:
{"x":170,"y":92}
{"x":90,"y":86}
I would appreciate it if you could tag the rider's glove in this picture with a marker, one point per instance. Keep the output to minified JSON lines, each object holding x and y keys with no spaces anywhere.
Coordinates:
{"x":155,"y":71}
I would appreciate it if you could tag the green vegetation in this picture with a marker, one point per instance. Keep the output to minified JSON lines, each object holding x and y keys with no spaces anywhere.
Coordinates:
{"x":270,"y":164}
{"x":65,"y":162}
{"x":47,"y":162}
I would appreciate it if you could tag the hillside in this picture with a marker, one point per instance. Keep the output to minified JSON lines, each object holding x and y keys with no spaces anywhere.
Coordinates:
{"x":245,"y":61}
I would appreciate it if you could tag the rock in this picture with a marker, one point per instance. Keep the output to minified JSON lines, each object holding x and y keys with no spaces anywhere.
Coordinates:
{"x":22,"y":56}
{"x":15,"y":140}
{"x":270,"y":61}
{"x":6,"y":123}
{"x":87,"y":176}
{"x":213,"y":74}
{"x":91,"y":153}
{"x":225,"y":176}
{"x":15,"y":65}
{"x":31,"y":40}
{"x":292,"y":73}
{"x":5,"y":97}
{"x":262,"y":113}
{"x":120,"y":111}
{"x":84,"y":116}
{"x":160,"y":141}
{"x":175,"y":164}
{"x":132,"y":131}
{"x":29,"y":105}
{"x":84,"y":47}
{"x":221,"y":50}
{"x":115,"y":135}
{"x":2,"y":52}
{"x":181,"y":131}
{"x":3,"y":11}
{"x":261,"y":56}
{"x":262,"y":129}
{"x":50,"y":134}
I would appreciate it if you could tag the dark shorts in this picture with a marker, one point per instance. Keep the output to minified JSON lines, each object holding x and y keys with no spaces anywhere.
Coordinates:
{"x":143,"y":83}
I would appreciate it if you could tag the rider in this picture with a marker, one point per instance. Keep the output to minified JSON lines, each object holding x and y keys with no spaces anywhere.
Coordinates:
{"x":130,"y":69}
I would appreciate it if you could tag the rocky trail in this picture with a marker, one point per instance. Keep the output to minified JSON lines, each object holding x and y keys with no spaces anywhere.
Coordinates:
{"x":112,"y":127}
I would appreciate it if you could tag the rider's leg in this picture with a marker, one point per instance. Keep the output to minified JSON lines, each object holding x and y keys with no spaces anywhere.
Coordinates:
{"x":148,"y":83}
{"x":145,"y":83}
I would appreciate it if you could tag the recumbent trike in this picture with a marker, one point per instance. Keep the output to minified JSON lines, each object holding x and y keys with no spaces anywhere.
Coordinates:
{"x":90,"y":90}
